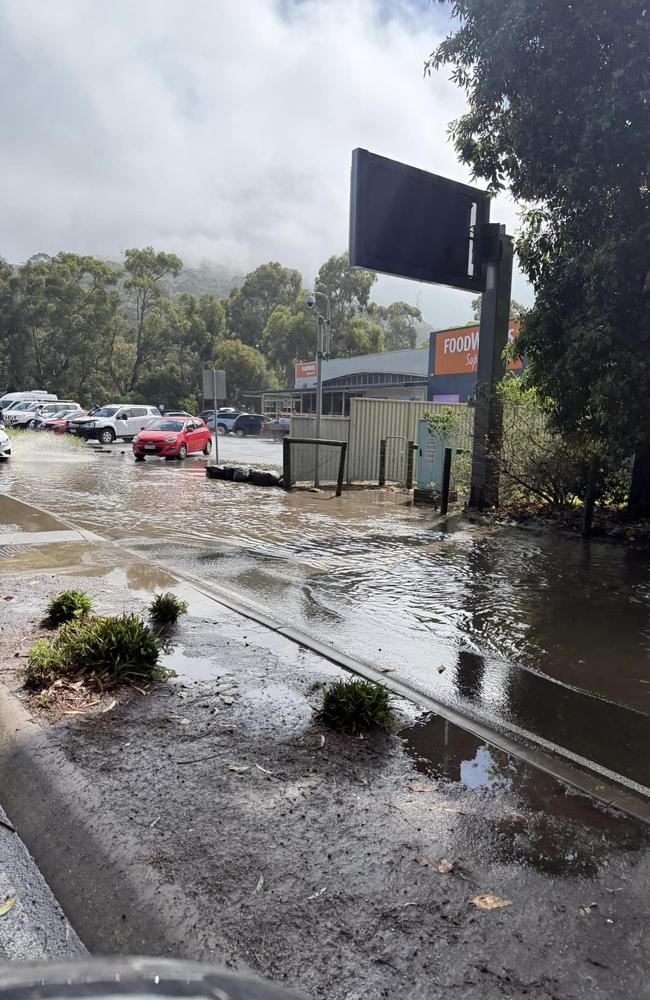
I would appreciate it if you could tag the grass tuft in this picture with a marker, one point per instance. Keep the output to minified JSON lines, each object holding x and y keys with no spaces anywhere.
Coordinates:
{"x":66,"y":607}
{"x":43,"y":665}
{"x":357,"y":706}
{"x":165,"y":609}
{"x":114,"y":649}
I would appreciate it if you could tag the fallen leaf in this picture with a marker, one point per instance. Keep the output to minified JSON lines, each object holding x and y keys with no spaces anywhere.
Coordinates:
{"x":76,"y":685}
{"x":445,"y":867}
{"x":237,"y":769}
{"x":489,"y":902}
{"x":319,"y":893}
{"x":260,"y":884}
{"x":184,"y":722}
{"x":322,"y":741}
{"x":264,"y":770}
{"x":8,"y":597}
{"x":418,"y":786}
{"x":441,"y":669}
{"x":424,"y":861}
{"x":8,"y":905}
{"x":585,"y":910}
{"x":111,"y":705}
{"x":386,"y":670}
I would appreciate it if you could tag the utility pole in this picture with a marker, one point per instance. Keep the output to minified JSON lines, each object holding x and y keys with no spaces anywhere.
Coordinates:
{"x":323,"y":324}
{"x":493,"y":340}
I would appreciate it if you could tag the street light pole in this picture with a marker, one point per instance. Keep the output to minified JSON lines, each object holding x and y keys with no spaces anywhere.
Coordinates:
{"x":323,"y":323}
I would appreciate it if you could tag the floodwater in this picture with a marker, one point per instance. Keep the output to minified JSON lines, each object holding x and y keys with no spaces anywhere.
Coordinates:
{"x":531,"y":631}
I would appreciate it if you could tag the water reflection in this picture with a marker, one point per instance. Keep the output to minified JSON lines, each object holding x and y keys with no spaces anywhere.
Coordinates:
{"x":515,"y":812}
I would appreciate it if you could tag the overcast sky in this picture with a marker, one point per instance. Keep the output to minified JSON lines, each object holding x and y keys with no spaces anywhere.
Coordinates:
{"x":219,"y":129}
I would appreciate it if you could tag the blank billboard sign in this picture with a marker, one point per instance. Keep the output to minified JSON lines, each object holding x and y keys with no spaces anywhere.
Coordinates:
{"x":415,"y":224}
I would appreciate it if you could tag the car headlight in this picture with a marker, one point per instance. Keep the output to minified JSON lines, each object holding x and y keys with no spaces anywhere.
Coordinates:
{"x":171,"y":440}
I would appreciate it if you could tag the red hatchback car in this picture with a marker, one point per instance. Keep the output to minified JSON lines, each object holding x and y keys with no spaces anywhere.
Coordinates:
{"x":172,"y":437}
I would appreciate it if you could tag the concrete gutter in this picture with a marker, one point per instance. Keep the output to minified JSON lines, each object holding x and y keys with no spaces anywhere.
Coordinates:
{"x":118,"y":903}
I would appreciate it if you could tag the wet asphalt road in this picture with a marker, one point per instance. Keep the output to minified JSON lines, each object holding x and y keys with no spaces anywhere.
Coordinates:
{"x":535,"y":633}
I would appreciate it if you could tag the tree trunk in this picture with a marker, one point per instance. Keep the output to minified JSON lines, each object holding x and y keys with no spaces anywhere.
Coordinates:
{"x":638,"y":504}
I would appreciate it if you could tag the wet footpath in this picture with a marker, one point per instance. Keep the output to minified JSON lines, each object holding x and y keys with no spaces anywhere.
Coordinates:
{"x":214,"y":817}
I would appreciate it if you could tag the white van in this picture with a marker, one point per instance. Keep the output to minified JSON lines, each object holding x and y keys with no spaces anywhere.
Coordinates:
{"x":11,"y":399}
{"x":118,"y":420}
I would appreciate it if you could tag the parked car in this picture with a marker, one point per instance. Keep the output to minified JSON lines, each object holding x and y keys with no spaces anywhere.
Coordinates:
{"x":172,"y":437}
{"x":118,"y":420}
{"x":47,"y":410}
{"x":58,"y":423}
{"x":5,"y":446}
{"x":44,"y":415}
{"x":176,"y":413}
{"x":20,"y":413}
{"x":279,"y":427}
{"x":226,"y":417}
{"x":248,"y":423}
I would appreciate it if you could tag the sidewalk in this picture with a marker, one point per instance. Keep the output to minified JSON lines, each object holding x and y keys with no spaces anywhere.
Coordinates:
{"x":216,"y":819}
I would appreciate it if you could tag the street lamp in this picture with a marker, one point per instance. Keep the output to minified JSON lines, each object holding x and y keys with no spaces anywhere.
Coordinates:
{"x":315,"y":302}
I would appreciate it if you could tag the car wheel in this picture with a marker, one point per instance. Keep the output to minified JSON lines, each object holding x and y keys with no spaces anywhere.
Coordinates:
{"x":182,"y":452}
{"x":240,"y":434}
{"x":221,"y":430}
{"x":208,"y":447}
{"x":106,"y":436}
{"x":139,"y":458}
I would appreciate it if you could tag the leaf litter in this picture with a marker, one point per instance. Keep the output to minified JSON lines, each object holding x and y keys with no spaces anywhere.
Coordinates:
{"x":490,"y":902}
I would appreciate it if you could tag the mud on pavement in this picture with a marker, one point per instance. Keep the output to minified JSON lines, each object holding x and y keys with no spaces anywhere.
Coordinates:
{"x":341,"y":867}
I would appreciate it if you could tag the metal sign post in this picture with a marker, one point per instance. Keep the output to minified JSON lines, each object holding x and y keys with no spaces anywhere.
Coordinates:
{"x":417,"y":225}
{"x":493,"y":340}
{"x":214,"y":388}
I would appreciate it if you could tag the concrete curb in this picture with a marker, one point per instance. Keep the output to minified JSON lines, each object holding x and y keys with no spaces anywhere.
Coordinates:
{"x":113,"y":899}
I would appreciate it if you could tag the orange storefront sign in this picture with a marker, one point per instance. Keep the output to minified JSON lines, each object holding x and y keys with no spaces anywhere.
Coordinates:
{"x":457,"y":350}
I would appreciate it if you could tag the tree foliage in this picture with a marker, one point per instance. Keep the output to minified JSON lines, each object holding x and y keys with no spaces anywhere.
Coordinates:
{"x":249,"y":308}
{"x":101,"y":331}
{"x":559,"y":112}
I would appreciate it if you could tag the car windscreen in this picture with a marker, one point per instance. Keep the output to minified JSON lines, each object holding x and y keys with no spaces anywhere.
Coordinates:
{"x":106,"y":411}
{"x":166,"y":425}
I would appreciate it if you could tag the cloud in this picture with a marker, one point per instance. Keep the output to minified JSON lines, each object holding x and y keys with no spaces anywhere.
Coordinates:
{"x":217,"y":129}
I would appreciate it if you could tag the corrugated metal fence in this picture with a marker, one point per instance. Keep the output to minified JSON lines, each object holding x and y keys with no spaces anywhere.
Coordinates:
{"x":370,"y":421}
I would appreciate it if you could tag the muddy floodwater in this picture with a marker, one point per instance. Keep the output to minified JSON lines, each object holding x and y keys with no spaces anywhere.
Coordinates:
{"x":537,"y":632}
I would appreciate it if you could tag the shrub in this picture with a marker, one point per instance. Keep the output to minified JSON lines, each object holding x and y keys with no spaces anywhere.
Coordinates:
{"x":67,"y":606}
{"x":122,"y":648}
{"x":357,"y":706}
{"x":43,"y":665}
{"x":115,"y":649}
{"x":165,"y":609}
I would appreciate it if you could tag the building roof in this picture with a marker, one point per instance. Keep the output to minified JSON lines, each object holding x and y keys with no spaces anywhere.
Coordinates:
{"x":410,"y":362}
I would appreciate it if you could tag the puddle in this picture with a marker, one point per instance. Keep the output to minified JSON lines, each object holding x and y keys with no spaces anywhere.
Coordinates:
{"x":139,"y":577}
{"x":516,"y":813}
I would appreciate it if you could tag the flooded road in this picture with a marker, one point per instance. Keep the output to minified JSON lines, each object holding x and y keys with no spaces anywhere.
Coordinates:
{"x":535,"y":632}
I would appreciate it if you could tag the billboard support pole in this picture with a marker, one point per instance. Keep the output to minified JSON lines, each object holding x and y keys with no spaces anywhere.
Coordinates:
{"x":214,"y":403}
{"x":493,"y":339}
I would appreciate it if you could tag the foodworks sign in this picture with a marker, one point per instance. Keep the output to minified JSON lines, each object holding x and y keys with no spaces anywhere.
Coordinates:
{"x":305,"y":375}
{"x":457,"y":350}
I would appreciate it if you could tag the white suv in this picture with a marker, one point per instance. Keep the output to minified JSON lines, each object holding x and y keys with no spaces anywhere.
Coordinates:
{"x":17,"y":417}
{"x":119,"y":420}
